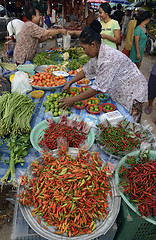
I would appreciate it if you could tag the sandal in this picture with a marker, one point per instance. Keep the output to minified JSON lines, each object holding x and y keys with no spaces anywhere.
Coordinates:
{"x":148,"y":110}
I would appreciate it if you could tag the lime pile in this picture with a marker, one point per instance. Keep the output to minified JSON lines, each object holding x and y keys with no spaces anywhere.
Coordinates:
{"x":52,"y":105}
{"x":92,"y":101}
{"x":94,"y":108}
{"x":108,"y":107}
{"x":84,"y":89}
{"x":102,"y":96}
{"x":74,"y":89}
{"x":79,"y":104}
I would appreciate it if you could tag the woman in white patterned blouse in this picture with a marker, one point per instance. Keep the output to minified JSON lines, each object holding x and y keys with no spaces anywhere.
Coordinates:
{"x":113,"y":71}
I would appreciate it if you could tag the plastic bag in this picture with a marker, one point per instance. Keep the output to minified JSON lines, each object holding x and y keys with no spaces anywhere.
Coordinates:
{"x":20,"y":83}
{"x":66,"y":41}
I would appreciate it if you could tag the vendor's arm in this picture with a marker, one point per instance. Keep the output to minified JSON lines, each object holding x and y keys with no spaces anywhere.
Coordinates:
{"x":75,"y":32}
{"x":78,"y":77}
{"x":137,"y":47}
{"x":68,"y":101}
{"x":115,"y":39}
{"x":54,"y":32}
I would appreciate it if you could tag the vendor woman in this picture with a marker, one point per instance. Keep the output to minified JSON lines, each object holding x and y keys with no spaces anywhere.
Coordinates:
{"x":31,"y":35}
{"x":113,"y":71}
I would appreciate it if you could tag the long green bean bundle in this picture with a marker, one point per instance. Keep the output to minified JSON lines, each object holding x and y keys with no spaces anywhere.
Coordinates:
{"x":16,"y":112}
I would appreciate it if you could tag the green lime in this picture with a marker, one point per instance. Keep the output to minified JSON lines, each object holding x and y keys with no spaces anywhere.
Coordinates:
{"x":55,"y":114}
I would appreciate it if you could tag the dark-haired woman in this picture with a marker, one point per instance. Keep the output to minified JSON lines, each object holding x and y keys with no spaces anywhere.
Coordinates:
{"x":140,"y":38}
{"x":31,"y":35}
{"x":110,"y":28}
{"x":114,"y":73}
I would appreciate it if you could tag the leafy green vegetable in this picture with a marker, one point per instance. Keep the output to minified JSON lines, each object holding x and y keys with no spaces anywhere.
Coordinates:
{"x":18,"y":147}
{"x":43,"y":58}
{"x":73,"y":64}
{"x":76,"y":63}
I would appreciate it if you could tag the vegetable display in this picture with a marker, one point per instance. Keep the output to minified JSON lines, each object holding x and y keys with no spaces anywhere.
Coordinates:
{"x":8,"y":66}
{"x":47,"y":79}
{"x":83,"y":81}
{"x":94,"y":108}
{"x":108,"y":107}
{"x":52,"y":68}
{"x":76,"y":63}
{"x":80,"y":104}
{"x":52,"y":105}
{"x":137,"y":180}
{"x":75,"y":90}
{"x":18,"y":148}
{"x":74,"y":52}
{"x":73,"y":131}
{"x":83,"y":89}
{"x":102,"y":96}
{"x":43,"y":58}
{"x":92,"y":101}
{"x":123,"y":138}
{"x":16,"y":112}
{"x":52,"y":58}
{"x":70,"y":193}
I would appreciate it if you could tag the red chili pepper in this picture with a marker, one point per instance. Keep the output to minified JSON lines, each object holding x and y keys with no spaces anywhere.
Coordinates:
{"x":70,"y":193}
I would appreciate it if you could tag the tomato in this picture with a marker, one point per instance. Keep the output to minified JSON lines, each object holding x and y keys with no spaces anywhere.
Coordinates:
{"x":71,"y":72}
{"x":48,"y":76}
{"x":36,"y":77}
{"x":44,"y":76}
{"x":37,"y":74}
{"x":40,"y":78}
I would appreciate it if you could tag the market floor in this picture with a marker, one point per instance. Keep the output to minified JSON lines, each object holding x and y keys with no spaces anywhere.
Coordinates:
{"x":7,"y":196}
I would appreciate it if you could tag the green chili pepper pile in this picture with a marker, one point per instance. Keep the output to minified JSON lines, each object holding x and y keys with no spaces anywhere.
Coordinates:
{"x":116,"y":139}
{"x":66,"y":192}
{"x":138,"y":182}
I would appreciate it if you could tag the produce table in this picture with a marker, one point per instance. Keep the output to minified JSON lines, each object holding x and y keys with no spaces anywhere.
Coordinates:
{"x":20,"y":227}
{"x":39,"y":116}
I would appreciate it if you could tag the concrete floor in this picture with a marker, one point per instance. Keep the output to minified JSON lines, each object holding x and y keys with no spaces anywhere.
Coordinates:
{"x":147,"y":64}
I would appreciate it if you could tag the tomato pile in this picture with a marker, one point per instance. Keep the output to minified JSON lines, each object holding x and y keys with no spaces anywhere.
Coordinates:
{"x":52,"y":68}
{"x":47,"y":80}
{"x":73,"y":72}
{"x":83,"y":81}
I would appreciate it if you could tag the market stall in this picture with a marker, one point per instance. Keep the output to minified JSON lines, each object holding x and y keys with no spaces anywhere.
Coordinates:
{"x":44,"y":115}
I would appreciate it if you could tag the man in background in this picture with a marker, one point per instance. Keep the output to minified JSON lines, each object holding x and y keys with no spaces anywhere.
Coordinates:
{"x":14,"y":27}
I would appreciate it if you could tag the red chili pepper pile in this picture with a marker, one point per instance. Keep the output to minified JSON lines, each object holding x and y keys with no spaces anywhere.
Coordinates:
{"x":117,"y":140}
{"x":73,"y":134}
{"x":69,"y":193}
{"x":139,"y":183}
